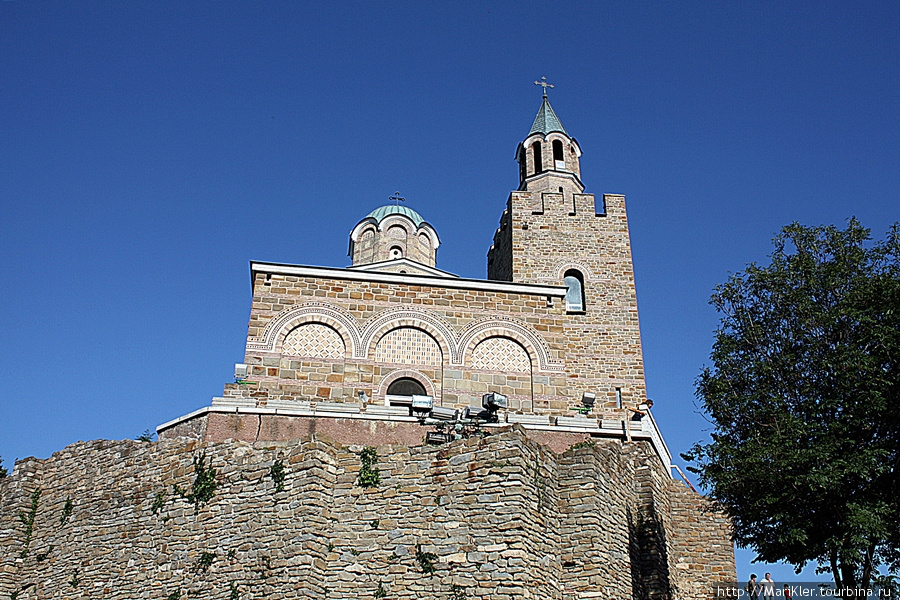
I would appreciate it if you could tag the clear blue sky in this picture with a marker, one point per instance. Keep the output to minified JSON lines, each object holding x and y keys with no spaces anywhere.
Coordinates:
{"x":150,"y":150}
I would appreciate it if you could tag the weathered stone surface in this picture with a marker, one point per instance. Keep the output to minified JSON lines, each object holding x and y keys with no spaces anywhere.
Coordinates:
{"x":544,"y":525}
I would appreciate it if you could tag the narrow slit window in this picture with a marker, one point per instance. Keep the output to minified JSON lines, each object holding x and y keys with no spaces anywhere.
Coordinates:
{"x":559,"y":161}
{"x":536,"y":152}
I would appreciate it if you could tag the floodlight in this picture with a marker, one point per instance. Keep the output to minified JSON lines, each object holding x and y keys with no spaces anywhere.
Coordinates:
{"x":437,"y":437}
{"x":422,"y":405}
{"x":475,"y":412}
{"x":442,"y":413}
{"x":241,"y":371}
{"x":494,"y":401}
{"x":587,"y":399}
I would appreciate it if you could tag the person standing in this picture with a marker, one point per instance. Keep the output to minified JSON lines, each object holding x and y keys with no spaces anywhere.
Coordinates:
{"x":752,"y":588}
{"x":768,"y":587}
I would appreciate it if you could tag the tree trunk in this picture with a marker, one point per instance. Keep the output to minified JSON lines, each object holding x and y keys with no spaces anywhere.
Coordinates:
{"x":835,"y":572}
{"x":848,"y":573}
{"x":867,"y":566}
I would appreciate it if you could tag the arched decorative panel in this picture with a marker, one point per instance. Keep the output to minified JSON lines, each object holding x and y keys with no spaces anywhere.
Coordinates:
{"x":397,"y":231}
{"x":311,"y":312}
{"x":500,"y":354}
{"x":314,"y":340}
{"x":408,"y":346}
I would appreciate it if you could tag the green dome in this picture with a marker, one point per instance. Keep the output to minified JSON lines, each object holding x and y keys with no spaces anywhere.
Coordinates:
{"x":380,"y":213}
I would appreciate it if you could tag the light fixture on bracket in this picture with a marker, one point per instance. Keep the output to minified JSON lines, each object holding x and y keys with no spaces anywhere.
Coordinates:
{"x":472,"y":413}
{"x":587,"y":403}
{"x":422,"y":406}
{"x":493,"y":402}
{"x":446,"y":423}
{"x":588,"y":399}
{"x":642,"y":409}
{"x":449,"y":424}
{"x":437,"y":438}
{"x":443,"y":413}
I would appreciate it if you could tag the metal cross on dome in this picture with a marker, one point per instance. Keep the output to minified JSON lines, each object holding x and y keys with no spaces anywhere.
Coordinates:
{"x":397,"y":198}
{"x":543,"y":83}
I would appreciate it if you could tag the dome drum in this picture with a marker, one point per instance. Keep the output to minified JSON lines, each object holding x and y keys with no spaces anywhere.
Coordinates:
{"x":393,"y":232}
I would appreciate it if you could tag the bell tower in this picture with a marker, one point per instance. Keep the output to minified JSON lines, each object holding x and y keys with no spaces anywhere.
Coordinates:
{"x":552,"y":232}
{"x":549,"y":159}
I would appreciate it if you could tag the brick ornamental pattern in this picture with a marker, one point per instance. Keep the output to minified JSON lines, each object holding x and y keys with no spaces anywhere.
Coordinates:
{"x":504,"y":517}
{"x":501,"y":354}
{"x":314,"y":340}
{"x":408,"y":346}
{"x":449,"y":332}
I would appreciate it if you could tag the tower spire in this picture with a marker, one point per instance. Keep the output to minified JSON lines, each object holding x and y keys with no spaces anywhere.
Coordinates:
{"x":548,"y":152}
{"x":546,"y":119}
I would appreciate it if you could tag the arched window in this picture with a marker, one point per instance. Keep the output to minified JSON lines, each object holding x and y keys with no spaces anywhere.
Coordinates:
{"x":406,"y":386}
{"x":536,"y":152}
{"x":401,"y":392}
{"x":574,"y":282}
{"x":396,"y":252}
{"x":559,"y":161}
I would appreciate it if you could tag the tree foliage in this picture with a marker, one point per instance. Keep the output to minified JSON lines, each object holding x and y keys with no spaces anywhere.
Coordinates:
{"x":803,"y":396}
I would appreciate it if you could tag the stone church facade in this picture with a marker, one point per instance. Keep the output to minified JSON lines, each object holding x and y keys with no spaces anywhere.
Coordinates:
{"x":261,"y":495}
{"x":555,"y":319}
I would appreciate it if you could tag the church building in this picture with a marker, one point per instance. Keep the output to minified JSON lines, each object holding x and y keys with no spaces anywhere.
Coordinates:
{"x":553,"y":329}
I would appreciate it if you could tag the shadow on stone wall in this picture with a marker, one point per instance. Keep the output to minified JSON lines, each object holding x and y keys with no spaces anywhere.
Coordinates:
{"x":650,"y":577}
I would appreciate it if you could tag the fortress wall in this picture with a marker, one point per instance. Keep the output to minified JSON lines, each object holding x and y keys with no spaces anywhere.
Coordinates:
{"x":500,"y":517}
{"x":701,"y":549}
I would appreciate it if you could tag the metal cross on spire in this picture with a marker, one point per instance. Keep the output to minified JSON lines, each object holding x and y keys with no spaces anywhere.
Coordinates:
{"x":397,"y":198}
{"x":543,"y":83}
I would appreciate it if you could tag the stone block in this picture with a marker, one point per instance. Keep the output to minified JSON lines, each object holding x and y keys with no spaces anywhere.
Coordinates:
{"x":577,"y":422}
{"x":337,"y":407}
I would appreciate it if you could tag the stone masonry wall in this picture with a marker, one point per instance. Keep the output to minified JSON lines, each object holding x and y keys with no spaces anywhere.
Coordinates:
{"x":501,"y":517}
{"x":442,"y":315}
{"x":548,"y":230}
{"x":707,"y":554}
{"x":375,"y":242}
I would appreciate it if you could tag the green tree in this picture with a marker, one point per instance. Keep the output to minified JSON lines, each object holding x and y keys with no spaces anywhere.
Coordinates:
{"x":803,"y":397}
{"x":3,"y":471}
{"x":147,"y":436}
